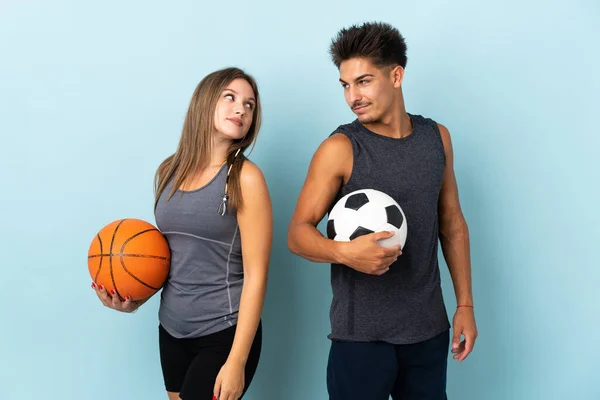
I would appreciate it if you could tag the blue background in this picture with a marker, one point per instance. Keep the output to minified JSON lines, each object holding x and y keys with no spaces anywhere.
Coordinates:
{"x":92,"y":99}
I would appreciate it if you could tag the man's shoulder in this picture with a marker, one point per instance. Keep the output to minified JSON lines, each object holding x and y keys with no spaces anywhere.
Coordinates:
{"x":339,"y":140}
{"x":336,"y":144}
{"x":345,"y":129}
{"x":423,"y":120}
{"x":438,"y":127}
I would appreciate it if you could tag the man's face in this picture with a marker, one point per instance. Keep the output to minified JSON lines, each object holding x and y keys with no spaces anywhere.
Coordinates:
{"x":368,"y":89}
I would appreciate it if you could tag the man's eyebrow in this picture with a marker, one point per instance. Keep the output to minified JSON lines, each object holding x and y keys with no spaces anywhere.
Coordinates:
{"x":359,"y":78}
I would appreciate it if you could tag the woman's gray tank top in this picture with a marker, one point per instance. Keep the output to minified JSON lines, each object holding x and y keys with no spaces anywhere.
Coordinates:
{"x":202,"y":293}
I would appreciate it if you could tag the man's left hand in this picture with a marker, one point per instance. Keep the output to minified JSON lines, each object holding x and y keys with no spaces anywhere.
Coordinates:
{"x":463,"y":325}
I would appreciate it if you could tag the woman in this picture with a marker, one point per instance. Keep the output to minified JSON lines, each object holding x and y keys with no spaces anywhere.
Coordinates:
{"x":212,"y":205}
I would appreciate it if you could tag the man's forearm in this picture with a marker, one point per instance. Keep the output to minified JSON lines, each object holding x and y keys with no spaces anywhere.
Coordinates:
{"x":454,"y":238}
{"x":306,"y":241}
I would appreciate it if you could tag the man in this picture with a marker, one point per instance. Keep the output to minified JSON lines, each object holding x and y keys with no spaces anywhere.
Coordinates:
{"x":390,"y":331}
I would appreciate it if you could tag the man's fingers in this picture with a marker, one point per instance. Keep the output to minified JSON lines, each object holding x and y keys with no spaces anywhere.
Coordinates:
{"x":458,"y":351}
{"x":456,"y":337}
{"x":382,"y":235}
{"x":392,"y":251}
{"x":384,"y":265}
{"x":387,"y":261}
{"x":381,"y":271}
{"x":463,"y":350}
{"x":468,"y":346}
{"x":457,"y":345}
{"x":389,"y":258}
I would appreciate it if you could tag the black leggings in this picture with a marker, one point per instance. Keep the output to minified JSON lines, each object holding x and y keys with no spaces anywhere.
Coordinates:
{"x":191,"y":366}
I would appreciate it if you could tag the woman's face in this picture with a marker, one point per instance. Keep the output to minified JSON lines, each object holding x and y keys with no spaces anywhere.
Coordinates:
{"x":235,"y":110}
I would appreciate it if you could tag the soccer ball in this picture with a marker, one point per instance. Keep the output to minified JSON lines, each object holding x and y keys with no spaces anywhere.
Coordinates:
{"x":366,"y":211}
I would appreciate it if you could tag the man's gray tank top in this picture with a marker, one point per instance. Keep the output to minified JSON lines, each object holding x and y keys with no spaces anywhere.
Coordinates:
{"x":202,"y":293}
{"x":404,"y":305}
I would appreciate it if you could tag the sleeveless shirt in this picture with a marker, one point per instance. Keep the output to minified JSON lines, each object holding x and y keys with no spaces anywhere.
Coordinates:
{"x":202,"y":293}
{"x":404,"y":305}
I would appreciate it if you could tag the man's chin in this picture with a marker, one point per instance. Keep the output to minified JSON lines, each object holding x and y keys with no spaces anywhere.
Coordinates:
{"x":366,"y":119}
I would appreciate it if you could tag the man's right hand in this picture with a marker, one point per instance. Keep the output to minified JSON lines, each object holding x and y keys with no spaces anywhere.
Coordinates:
{"x":365,"y":254}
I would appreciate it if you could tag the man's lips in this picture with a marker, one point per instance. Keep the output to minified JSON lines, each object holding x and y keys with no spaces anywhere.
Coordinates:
{"x":360,"y":108}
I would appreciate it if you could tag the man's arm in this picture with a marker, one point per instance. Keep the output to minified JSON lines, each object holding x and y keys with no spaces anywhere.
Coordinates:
{"x":454,"y":233}
{"x":324,"y":179}
{"x":330,"y":167}
{"x":454,"y":238}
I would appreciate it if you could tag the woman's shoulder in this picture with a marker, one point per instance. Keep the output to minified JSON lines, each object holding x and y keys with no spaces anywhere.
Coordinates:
{"x":251,"y":173}
{"x":253,"y":184}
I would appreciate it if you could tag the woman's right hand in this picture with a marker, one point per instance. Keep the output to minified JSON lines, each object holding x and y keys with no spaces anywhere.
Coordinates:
{"x":113,"y":301}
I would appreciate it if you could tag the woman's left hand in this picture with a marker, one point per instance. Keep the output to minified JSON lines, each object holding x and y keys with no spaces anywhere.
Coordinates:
{"x":230,"y":381}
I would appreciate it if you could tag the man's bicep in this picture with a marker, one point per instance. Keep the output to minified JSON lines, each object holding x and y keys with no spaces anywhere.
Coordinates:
{"x":323,"y":181}
{"x":449,"y":199}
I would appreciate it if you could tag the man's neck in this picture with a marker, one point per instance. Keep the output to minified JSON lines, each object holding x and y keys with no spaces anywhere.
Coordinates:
{"x":398,"y":125}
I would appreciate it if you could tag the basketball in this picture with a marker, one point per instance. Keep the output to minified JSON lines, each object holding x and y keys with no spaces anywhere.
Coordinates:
{"x":131,"y":257}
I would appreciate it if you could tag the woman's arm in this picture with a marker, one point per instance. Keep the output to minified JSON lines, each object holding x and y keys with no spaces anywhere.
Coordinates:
{"x":255,"y":222}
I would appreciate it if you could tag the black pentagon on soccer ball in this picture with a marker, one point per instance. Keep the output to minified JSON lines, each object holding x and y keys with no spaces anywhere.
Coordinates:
{"x":394,"y":216}
{"x":356,"y":201}
{"x":360,"y":231}
{"x":330,"y":229}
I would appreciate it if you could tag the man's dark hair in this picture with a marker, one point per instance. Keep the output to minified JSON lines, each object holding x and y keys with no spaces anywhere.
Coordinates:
{"x":379,"y":42}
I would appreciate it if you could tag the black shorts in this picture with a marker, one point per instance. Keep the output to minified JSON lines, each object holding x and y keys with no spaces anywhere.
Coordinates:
{"x":190,"y":366}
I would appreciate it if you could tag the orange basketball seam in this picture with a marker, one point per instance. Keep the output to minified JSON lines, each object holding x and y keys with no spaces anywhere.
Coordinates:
{"x":99,"y":265}
{"x":112,"y":241}
{"x":136,"y":235}
{"x":135,"y":277}
{"x":128,"y":255}
{"x":121,"y":258}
